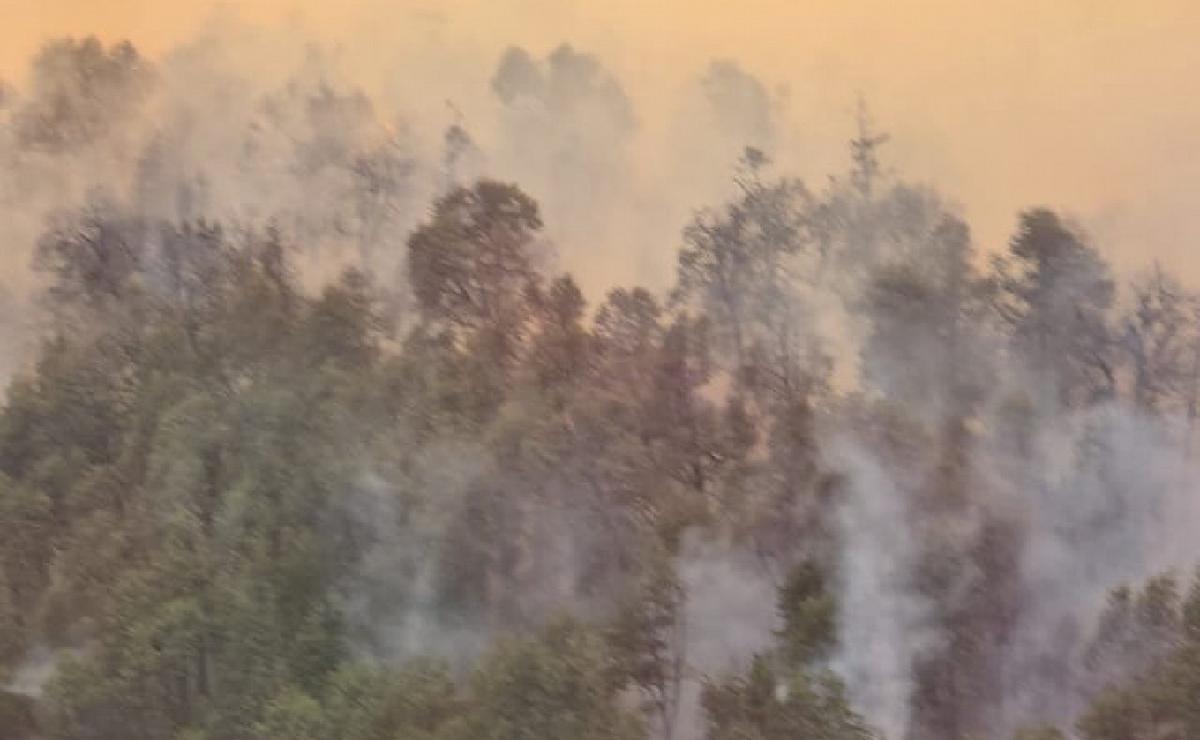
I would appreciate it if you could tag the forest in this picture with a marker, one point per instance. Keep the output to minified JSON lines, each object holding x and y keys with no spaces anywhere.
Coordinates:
{"x":316,"y":435}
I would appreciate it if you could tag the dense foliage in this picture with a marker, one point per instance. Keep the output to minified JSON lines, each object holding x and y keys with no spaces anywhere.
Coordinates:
{"x":455,"y":502}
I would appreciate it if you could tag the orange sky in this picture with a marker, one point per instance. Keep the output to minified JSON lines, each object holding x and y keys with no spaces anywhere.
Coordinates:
{"x":1089,"y":106}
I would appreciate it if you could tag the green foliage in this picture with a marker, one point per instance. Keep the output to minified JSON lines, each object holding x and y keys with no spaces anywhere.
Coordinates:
{"x":472,"y":264}
{"x":647,"y":641}
{"x":736,"y":261}
{"x":784,"y":694}
{"x":1055,"y":291}
{"x":1042,"y":732}
{"x":768,"y":704}
{"x":293,"y":715}
{"x":1149,"y":634}
{"x":17,"y":720}
{"x":220,"y":489}
{"x":420,"y":702}
{"x":809,"y":616}
{"x":561,"y":685}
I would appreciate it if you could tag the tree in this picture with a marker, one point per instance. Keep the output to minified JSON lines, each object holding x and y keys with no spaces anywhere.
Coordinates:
{"x":1039,"y":733}
{"x":769,"y":705}
{"x":560,"y":345}
{"x":809,"y":616}
{"x":472,"y":264}
{"x":81,"y":93}
{"x":736,"y":261}
{"x":93,"y":255}
{"x":1148,"y":660}
{"x":1160,"y":341}
{"x":926,"y":346}
{"x":864,"y":151}
{"x":346,"y":324}
{"x":17,"y":719}
{"x":560,"y":685}
{"x":785,"y":693}
{"x":648,"y":639}
{"x":1054,"y":293}
{"x":27,"y":537}
{"x":417,"y":702}
{"x":293,"y":715}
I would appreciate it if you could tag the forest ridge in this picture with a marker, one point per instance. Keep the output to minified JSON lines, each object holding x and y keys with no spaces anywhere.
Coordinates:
{"x":321,"y":441}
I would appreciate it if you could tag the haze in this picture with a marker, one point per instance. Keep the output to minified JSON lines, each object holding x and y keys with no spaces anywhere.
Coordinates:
{"x":1077,"y":105}
{"x":672,"y":372}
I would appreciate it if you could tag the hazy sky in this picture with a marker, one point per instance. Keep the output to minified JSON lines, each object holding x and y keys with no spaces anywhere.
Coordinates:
{"x":1088,"y":106}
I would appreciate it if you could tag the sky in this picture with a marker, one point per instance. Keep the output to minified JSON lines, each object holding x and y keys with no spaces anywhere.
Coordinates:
{"x":1086,"y":106}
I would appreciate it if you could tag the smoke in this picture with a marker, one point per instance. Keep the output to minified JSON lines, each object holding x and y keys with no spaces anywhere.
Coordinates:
{"x":258,"y":124}
{"x":739,"y":105}
{"x":1092,"y":498}
{"x":37,"y":668}
{"x":1110,"y":499}
{"x":250,"y":125}
{"x":566,"y":130}
{"x":392,"y":602}
{"x":729,"y":616}
{"x":884,"y":623}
